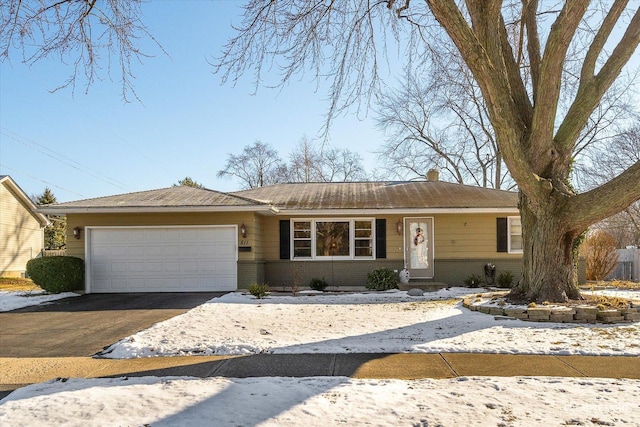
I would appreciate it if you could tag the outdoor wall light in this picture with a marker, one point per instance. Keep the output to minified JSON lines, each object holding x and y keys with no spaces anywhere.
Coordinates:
{"x":243,"y":231}
{"x":399,"y":227}
{"x":76,"y":232}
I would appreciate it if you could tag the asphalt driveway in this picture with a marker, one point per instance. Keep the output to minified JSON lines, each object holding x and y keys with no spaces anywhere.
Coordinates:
{"x":84,"y":325}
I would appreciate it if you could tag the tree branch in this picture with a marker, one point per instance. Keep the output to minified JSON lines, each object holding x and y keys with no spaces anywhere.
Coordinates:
{"x":592,"y":89}
{"x":530,"y":8}
{"x":547,"y":92}
{"x":587,"y":208}
{"x":595,"y":49}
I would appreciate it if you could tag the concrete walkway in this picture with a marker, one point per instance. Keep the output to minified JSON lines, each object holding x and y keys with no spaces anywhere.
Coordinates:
{"x":17,"y":372}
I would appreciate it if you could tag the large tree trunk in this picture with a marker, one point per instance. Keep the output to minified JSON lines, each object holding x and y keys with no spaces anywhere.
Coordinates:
{"x":550,"y":245}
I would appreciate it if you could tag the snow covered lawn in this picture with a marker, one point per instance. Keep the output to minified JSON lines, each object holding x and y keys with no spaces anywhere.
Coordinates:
{"x":325,"y":401}
{"x":390,"y":322}
{"x":12,"y":300}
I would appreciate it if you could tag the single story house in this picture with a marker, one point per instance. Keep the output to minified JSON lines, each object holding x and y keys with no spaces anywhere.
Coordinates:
{"x":194,"y":239}
{"x":21,"y":229}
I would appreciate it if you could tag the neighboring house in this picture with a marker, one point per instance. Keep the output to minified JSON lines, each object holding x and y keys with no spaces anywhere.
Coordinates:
{"x":21,"y":229}
{"x":192,"y":239}
{"x":628,"y":267}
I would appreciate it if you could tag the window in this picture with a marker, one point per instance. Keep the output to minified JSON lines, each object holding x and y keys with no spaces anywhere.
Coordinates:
{"x":333,"y":238}
{"x":363,"y":239}
{"x":302,"y":239}
{"x":515,"y":234}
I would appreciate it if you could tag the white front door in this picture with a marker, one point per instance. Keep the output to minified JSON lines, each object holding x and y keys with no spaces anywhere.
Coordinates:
{"x":418,"y":254}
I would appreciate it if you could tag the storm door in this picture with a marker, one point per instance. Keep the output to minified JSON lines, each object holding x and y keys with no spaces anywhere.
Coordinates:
{"x":418,"y":253}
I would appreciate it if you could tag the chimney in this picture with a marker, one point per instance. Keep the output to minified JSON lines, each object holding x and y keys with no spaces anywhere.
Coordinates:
{"x":433,"y":175}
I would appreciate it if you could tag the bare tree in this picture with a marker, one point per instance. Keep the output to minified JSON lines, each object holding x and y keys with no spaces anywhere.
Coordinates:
{"x":516,"y":53}
{"x":258,"y":165}
{"x":322,"y":163}
{"x":341,"y":165}
{"x":78,"y":32}
{"x":443,"y":126}
{"x":606,"y":161}
{"x":304,"y":162}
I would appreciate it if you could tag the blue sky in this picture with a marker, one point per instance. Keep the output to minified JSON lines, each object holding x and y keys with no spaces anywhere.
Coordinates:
{"x":91,"y":145}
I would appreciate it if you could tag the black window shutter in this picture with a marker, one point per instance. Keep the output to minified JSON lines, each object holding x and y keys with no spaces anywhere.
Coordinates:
{"x":285,"y":236}
{"x":501,"y":227}
{"x":381,"y":238}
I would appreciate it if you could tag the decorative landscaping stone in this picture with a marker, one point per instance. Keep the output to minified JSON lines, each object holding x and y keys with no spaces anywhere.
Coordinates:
{"x":514,"y":312}
{"x":590,"y":318}
{"x":557,"y":314}
{"x":608,"y":313}
{"x":632,"y":317}
{"x":496,"y":311}
{"x":566,"y":311}
{"x":562,"y":318}
{"x":415,"y":292}
{"x":617,"y":319}
{"x":538,"y":314}
{"x":586,"y":310}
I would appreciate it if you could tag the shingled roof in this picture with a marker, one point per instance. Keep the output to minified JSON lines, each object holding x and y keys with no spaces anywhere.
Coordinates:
{"x":180,"y":198}
{"x":380,"y":195}
{"x":303,"y":197}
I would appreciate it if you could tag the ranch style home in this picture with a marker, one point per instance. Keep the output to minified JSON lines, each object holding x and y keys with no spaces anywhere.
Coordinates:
{"x":193,"y":239}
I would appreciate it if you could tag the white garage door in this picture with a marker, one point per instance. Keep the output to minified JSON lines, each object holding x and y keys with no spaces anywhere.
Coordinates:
{"x":162,"y":259}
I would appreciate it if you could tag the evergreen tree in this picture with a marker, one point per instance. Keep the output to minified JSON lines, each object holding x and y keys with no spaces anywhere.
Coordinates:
{"x":55,"y":234}
{"x":188,"y":182}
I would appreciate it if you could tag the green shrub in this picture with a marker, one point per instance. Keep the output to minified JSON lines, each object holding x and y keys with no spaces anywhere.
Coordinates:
{"x":382,"y":279}
{"x":57,"y":273}
{"x":505,"y":279}
{"x":473,"y":281}
{"x":259,"y":290}
{"x":318,"y":284}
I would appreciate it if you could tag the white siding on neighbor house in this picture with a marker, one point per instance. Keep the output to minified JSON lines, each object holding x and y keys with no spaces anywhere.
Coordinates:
{"x":21,"y":236}
{"x":628,"y":267}
{"x":161,"y":259}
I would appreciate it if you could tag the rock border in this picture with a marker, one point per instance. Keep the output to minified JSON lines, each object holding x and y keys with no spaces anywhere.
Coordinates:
{"x":559,"y":314}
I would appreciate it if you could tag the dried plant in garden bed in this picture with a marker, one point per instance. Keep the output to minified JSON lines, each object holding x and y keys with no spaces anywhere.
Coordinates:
{"x":16,"y":284}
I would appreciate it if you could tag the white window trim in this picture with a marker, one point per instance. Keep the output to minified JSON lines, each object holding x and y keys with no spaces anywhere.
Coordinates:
{"x":352,"y":239}
{"x":510,"y":220}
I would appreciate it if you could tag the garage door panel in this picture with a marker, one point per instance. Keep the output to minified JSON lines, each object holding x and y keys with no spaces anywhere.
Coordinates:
{"x":162,"y":259}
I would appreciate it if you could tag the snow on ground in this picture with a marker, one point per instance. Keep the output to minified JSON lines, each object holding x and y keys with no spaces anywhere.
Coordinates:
{"x":390,"y":322}
{"x":325,"y":401}
{"x":14,"y":300}
{"x":387,"y":322}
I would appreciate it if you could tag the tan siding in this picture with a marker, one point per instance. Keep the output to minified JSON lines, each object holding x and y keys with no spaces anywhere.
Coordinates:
{"x":463,"y":244}
{"x":456,"y":236}
{"x":21,"y":237}
{"x":75,"y":247}
{"x":460,"y":236}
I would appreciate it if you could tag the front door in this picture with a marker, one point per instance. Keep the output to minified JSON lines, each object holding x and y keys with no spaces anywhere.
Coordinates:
{"x":418,"y":254}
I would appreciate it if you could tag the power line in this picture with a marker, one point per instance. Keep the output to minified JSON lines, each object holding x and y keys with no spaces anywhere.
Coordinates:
{"x":43,"y":181}
{"x":61,"y":158}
